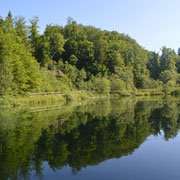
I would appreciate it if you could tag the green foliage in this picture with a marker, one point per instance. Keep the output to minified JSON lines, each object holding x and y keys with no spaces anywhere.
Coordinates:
{"x":51,"y":83}
{"x":126,"y":75}
{"x":19,"y":67}
{"x":178,"y":79}
{"x":147,"y":83}
{"x":176,"y":92}
{"x":167,"y":59}
{"x":178,"y":63}
{"x":117,"y":85}
{"x":153,"y":65}
{"x":167,"y":76}
{"x":101,"y":85}
{"x":77,"y":57}
{"x":6,"y":79}
{"x":73,"y":59}
{"x":55,"y":42}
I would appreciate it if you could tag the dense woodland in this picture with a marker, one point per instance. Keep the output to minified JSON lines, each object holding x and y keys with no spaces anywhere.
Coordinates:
{"x":77,"y":57}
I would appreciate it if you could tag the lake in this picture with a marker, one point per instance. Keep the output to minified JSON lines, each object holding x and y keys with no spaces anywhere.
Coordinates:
{"x":128,"y":139}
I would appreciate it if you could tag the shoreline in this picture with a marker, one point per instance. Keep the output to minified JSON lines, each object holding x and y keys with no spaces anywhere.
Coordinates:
{"x":49,"y":99}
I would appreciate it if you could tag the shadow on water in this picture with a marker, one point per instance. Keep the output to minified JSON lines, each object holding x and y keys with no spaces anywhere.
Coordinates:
{"x":80,"y":136}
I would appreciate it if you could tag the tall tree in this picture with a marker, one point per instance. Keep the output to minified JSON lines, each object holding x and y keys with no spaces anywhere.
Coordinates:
{"x":167,"y":59}
{"x":56,"y":41}
{"x":34,"y":36}
{"x":154,"y":65}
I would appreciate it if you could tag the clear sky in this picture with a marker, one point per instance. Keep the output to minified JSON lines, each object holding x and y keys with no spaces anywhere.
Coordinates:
{"x":153,"y":23}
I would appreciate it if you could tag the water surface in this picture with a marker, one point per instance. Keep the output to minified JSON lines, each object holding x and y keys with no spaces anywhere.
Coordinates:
{"x":108,"y":139}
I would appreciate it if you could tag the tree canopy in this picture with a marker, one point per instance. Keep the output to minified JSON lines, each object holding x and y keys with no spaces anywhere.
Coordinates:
{"x":27,"y":57}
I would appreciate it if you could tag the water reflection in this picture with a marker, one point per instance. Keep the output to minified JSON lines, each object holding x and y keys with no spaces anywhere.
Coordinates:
{"x":80,"y":136}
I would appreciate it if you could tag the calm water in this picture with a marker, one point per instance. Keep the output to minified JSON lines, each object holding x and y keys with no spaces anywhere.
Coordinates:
{"x":124,"y":139}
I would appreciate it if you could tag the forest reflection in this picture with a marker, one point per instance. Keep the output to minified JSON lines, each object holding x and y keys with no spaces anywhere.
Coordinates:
{"x":81,"y":136}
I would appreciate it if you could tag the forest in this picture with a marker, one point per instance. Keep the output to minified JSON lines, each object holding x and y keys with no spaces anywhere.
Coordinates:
{"x":78,"y":57}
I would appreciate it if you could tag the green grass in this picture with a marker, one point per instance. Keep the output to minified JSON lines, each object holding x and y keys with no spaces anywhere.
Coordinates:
{"x":31,"y":101}
{"x":149,"y":92}
{"x":46,"y":100}
{"x":155,"y":92}
{"x":59,"y":99}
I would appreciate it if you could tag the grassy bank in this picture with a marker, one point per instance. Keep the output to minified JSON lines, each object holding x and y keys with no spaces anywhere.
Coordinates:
{"x":46,"y":100}
{"x":149,"y":92}
{"x":50,"y":99}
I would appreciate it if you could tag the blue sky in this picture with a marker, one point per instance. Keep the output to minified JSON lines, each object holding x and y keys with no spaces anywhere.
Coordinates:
{"x":153,"y":23}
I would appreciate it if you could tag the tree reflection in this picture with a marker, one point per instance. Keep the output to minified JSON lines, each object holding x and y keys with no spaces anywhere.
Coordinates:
{"x":80,"y":136}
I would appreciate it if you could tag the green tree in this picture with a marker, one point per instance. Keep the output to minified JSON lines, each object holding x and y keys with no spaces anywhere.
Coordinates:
{"x":17,"y":63}
{"x":167,"y":59}
{"x":167,"y":75}
{"x":56,"y":41}
{"x":154,"y":65}
{"x":21,"y":29}
{"x":34,"y":36}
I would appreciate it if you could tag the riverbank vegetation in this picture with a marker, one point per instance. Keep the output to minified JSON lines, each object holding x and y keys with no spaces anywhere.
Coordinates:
{"x":75,"y":57}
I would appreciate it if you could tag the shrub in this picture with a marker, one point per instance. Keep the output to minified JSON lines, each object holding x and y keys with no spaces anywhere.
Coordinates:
{"x":101,"y":85}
